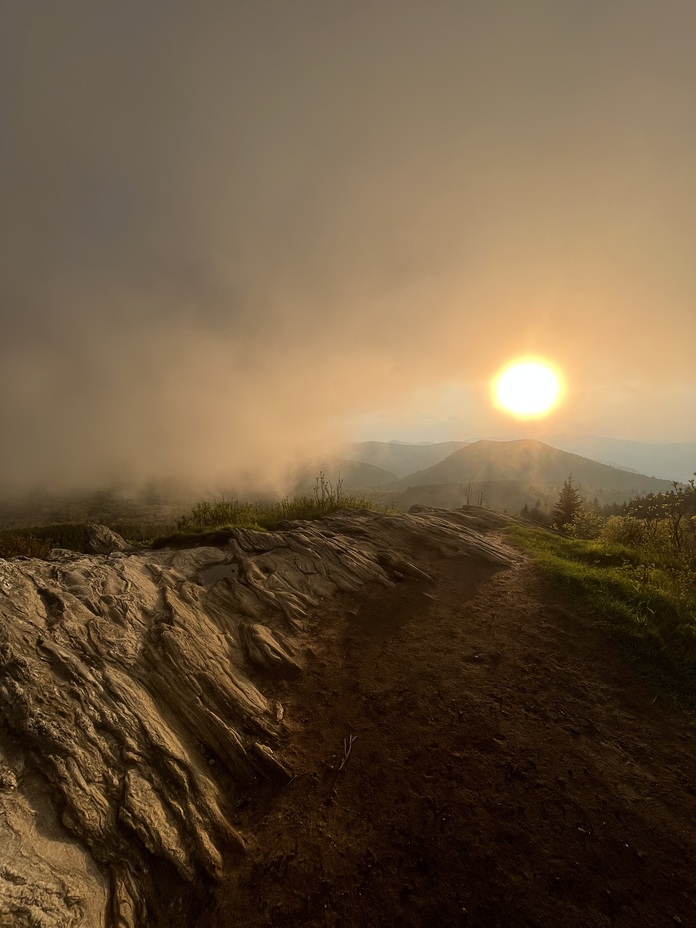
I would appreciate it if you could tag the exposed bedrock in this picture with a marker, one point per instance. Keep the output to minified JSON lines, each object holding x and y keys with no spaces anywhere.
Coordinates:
{"x":133,"y":703}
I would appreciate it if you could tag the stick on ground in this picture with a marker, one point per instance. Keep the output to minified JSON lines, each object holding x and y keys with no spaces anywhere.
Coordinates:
{"x":347,"y":747}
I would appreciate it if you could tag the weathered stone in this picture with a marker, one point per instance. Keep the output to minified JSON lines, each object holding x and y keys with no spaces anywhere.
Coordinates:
{"x":123,"y":677}
{"x":265,"y":650}
{"x":102,"y":540}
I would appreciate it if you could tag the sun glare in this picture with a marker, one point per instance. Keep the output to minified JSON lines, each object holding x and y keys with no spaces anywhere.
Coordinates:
{"x":527,"y":389}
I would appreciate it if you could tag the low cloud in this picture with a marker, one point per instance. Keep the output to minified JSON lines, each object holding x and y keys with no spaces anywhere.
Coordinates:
{"x":226,"y":235}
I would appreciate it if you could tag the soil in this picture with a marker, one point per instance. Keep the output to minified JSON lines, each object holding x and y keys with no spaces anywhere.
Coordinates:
{"x":471,"y":752}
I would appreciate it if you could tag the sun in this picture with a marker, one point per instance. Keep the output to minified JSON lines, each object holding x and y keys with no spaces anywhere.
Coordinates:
{"x":527,"y":388}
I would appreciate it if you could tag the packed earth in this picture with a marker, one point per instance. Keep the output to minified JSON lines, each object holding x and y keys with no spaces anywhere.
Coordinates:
{"x":471,"y":751}
{"x":368,"y":720}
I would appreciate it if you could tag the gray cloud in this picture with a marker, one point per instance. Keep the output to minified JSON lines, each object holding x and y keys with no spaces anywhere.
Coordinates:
{"x":226,"y":229}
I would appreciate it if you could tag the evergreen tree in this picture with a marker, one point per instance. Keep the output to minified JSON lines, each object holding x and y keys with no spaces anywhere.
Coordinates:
{"x":539,"y":514}
{"x":568,"y":504}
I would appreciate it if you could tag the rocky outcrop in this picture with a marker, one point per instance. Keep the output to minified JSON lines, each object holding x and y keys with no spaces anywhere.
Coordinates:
{"x":134,"y":706}
{"x":266,"y":650}
{"x":102,"y":540}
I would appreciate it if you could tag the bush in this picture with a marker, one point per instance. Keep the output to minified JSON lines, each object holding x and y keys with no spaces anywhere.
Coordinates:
{"x":670,"y":521}
{"x":624,"y":530}
{"x":586,"y":524}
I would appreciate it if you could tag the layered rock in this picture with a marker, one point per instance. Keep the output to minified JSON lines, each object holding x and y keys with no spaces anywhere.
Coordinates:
{"x":134,"y":704}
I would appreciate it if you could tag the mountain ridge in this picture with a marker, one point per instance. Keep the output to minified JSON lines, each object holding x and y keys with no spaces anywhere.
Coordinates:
{"x":402,"y":458}
{"x":532,"y":461}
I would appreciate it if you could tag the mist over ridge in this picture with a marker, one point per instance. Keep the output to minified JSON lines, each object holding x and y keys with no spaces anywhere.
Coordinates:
{"x":229,"y":231}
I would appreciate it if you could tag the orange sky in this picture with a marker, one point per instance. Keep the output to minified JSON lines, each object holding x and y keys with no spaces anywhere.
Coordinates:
{"x":231,"y":232}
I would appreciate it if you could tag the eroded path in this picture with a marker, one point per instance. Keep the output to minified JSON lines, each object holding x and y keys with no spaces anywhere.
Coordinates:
{"x":507,"y":770}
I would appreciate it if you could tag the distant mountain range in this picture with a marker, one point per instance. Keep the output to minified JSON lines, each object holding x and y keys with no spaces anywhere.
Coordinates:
{"x":501,"y":474}
{"x":672,"y":461}
{"x":532,"y":462}
{"x":400,"y":457}
{"x":669,"y":461}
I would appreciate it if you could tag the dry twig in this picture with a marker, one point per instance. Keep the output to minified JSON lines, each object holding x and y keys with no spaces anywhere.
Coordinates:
{"x":347,"y":747}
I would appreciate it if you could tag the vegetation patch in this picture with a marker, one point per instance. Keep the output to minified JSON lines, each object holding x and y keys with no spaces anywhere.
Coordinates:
{"x":211,"y":523}
{"x":206,"y":523}
{"x":215,"y":539}
{"x":644,"y":595}
{"x":39,"y":540}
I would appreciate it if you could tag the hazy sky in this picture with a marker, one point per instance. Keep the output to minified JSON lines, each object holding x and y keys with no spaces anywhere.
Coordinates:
{"x":231,"y":231}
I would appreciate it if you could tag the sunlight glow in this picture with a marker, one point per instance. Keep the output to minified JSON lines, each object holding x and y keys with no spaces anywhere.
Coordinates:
{"x":527,"y":388}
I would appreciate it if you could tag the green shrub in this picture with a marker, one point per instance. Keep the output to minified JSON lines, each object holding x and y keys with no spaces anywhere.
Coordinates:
{"x":586,"y":524}
{"x":221,"y":515}
{"x":624,"y":530}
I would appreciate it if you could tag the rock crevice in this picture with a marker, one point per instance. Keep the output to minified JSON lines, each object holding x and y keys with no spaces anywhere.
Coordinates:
{"x":124,"y":674}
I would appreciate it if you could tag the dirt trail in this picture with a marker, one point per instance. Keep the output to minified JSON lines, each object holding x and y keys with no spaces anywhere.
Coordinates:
{"x":508,"y":770}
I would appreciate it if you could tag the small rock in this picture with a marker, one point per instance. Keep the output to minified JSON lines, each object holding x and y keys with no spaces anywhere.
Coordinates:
{"x":57,"y":554}
{"x":101,"y":540}
{"x":7,"y":778}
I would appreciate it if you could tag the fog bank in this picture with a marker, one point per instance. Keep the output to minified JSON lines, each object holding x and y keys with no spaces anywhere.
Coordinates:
{"x":230,"y":230}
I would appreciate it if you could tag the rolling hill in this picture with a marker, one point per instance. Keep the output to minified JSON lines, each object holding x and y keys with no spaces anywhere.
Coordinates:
{"x":400,"y":457}
{"x":353,"y":474}
{"x":522,"y":470}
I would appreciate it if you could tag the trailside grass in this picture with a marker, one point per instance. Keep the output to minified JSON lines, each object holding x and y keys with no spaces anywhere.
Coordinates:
{"x":209,"y":520}
{"x":206,"y":523}
{"x":648,"y":605}
{"x":38,"y":540}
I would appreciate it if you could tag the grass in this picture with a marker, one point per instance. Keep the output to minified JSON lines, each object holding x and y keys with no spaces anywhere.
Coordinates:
{"x":38,"y":540}
{"x":649,"y":608}
{"x":213,"y":522}
{"x":206,"y":523}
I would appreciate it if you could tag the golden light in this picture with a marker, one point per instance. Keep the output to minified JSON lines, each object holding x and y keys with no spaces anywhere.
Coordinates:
{"x":527,"y":388}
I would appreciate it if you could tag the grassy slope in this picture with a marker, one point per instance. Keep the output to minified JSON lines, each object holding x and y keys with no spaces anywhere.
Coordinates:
{"x":205,"y":523}
{"x":649,"y":609}
{"x":206,"y":520}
